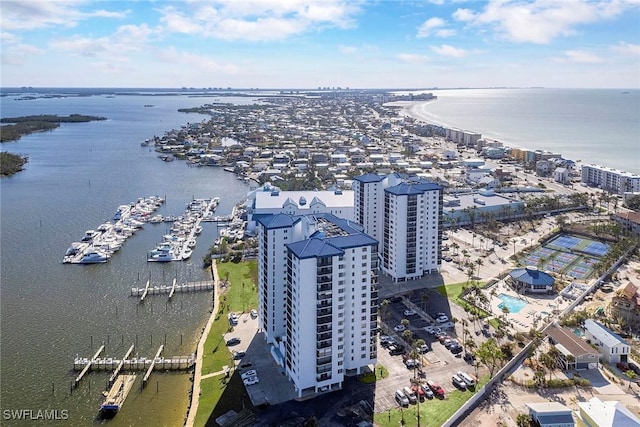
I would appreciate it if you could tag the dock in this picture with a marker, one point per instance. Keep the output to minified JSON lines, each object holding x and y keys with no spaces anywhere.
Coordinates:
{"x":146,"y":290}
{"x":117,"y":394}
{"x":175,"y":363}
{"x":173,"y":288}
{"x":153,"y":364}
{"x":206,"y":285}
{"x":116,"y":372}
{"x":88,"y":366}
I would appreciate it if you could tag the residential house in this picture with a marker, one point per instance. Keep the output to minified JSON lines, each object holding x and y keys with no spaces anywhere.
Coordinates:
{"x":574,"y":351}
{"x":613,"y":348}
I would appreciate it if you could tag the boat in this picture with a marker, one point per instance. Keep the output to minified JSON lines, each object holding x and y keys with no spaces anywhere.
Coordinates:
{"x":162,"y":253}
{"x":89,"y":235}
{"x":157,"y":219}
{"x":115,"y":398}
{"x":191,"y":243}
{"x":94,"y":257}
{"x":186,"y":254}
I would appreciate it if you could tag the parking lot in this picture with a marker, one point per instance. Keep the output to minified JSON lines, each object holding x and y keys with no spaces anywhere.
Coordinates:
{"x":439,"y":364}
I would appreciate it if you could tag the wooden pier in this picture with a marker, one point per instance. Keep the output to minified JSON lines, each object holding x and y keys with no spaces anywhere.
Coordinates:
{"x":88,"y":366}
{"x":153,"y":364}
{"x":116,"y":372}
{"x":117,"y":395}
{"x":206,"y":285}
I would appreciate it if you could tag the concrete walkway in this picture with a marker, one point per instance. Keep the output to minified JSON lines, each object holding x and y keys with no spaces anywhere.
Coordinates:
{"x":197,"y":376}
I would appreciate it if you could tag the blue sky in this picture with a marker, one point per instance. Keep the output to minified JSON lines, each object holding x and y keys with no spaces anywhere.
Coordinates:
{"x":309,"y":44}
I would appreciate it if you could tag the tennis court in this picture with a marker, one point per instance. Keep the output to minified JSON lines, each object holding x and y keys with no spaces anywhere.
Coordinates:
{"x":571,"y":255}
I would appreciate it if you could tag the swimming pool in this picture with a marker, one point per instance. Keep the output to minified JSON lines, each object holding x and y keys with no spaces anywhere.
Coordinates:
{"x":512,"y":303}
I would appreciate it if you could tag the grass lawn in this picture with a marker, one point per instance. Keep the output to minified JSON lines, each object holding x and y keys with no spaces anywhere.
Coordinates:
{"x":234,"y":297}
{"x":454,"y":293}
{"x":433,"y":413}
{"x":219,"y":395}
{"x":371,"y":377}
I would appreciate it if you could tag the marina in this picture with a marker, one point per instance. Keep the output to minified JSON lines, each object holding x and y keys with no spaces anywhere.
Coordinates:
{"x":97,"y":246}
{"x":178,"y":244}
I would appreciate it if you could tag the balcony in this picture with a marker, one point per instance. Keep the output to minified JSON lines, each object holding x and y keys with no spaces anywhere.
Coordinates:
{"x":323,"y":344}
{"x":324,"y":312}
{"x":323,"y":328}
{"x":323,"y":336}
{"x":323,"y":361}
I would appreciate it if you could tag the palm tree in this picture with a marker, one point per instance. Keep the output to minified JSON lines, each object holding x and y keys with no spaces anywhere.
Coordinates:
{"x":548,"y":362}
{"x":424,"y":299}
{"x":384,"y":312}
{"x":479,"y":262}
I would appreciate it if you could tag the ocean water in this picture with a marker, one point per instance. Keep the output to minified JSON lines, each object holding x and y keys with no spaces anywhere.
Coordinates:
{"x":50,"y":312}
{"x":599,"y":126}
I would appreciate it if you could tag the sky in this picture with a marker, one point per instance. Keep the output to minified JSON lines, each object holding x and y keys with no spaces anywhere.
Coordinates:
{"x":277,"y":44}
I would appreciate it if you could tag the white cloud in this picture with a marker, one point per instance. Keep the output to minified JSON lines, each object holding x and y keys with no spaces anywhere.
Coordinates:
{"x":540,"y":21}
{"x":447,"y":50}
{"x":411,"y":58}
{"x":427,"y":26}
{"x":444,"y":33}
{"x":24,"y":15}
{"x":628,"y":48}
{"x":583,"y":57}
{"x":196,"y":62}
{"x":347,"y":50}
{"x":259,"y":20}
{"x":17,"y":54}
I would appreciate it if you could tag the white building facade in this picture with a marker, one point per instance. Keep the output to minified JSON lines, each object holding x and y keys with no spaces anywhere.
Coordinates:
{"x":318,"y":301}
{"x":609,"y":179}
{"x":405,"y":214}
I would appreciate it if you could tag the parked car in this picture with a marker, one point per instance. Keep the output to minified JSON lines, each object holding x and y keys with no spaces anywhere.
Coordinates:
{"x":410,"y":395}
{"x":249,"y":374}
{"x":448,"y":259}
{"x":443,"y":337}
{"x":396,"y":350}
{"x":251,"y":381}
{"x":427,"y":391}
{"x":233,"y":341}
{"x":458,"y":382}
{"x":430,"y":330}
{"x":469,"y":357}
{"x":399,"y":328}
{"x":456,"y":349}
{"x":237,"y":355}
{"x":634,"y":368}
{"x":254,"y":314}
{"x":409,"y":313}
{"x":395,"y":299}
{"x":622,"y":366}
{"x":436,"y":389}
{"x":468,"y":379}
{"x":451,"y":343}
{"x":411,"y":363}
{"x":424,"y":348}
{"x":401,"y":398}
{"x":442,"y":319}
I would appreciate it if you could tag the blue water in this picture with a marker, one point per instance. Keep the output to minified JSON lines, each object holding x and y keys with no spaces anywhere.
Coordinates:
{"x":512,"y":303}
{"x":76,"y":177}
{"x":592,"y":125}
{"x":579,"y":332}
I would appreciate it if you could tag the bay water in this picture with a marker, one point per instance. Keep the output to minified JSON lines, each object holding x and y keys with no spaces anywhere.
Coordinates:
{"x":76,"y":178}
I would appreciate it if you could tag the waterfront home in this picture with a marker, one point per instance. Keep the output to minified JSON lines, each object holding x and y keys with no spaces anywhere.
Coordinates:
{"x":612,"y":347}
{"x":574,"y":352}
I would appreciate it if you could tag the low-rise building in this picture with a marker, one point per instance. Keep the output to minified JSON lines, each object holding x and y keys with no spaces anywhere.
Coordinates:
{"x":612,"y":347}
{"x":532,"y":280}
{"x":629,"y":220}
{"x":574,"y":352}
{"x":598,"y":413}
{"x":551,"y":414}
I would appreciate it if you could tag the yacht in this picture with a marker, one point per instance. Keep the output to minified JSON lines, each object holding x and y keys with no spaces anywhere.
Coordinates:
{"x":89,"y":235}
{"x":163,"y":253}
{"x":94,"y":257}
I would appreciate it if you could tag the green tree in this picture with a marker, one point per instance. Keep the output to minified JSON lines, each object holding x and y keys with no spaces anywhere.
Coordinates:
{"x":490,"y":354}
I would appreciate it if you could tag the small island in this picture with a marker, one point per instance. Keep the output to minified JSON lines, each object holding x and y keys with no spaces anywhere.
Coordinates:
{"x":11,"y":163}
{"x":25,"y":125}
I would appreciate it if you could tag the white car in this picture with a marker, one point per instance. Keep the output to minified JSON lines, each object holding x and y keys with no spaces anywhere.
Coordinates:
{"x":251,"y":381}
{"x":254,"y":314}
{"x":249,"y":374}
{"x":442,"y":319}
{"x":409,"y":313}
{"x":399,"y":328}
{"x":430,"y":330}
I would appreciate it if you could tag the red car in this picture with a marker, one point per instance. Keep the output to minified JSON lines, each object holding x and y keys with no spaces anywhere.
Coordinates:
{"x":436,"y":389}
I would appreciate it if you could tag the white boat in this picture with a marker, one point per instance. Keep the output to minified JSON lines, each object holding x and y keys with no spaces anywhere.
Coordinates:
{"x":191,"y":243}
{"x":186,"y":254}
{"x":156,"y":219}
{"x":198,"y":229}
{"x":163,"y":253}
{"x":94,"y":257}
{"x":89,"y":235}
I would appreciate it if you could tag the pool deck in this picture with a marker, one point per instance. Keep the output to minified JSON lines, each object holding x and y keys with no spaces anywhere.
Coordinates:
{"x":533,"y":311}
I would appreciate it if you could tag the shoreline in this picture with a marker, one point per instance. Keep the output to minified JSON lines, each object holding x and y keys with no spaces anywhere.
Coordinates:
{"x":408,"y":109}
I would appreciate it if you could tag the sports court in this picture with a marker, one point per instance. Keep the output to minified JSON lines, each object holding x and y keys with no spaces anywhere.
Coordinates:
{"x":571,"y":255}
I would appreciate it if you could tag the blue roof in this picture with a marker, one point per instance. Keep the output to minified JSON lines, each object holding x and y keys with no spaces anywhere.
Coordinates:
{"x":405,"y":189}
{"x":369,"y":177}
{"x":314,"y":248}
{"x":273,"y":221}
{"x":532,"y":276}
